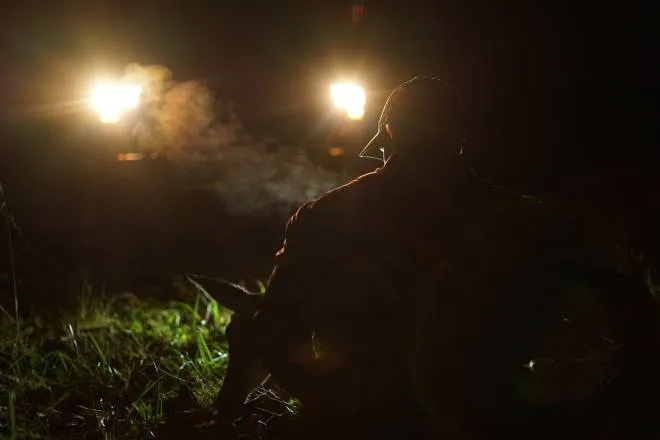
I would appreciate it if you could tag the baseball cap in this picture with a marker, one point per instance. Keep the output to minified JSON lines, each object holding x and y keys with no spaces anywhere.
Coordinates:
{"x":423,"y":99}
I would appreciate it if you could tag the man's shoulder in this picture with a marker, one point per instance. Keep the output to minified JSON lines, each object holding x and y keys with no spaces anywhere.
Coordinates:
{"x":338,"y":201}
{"x":328,"y":222}
{"x":355,"y":188}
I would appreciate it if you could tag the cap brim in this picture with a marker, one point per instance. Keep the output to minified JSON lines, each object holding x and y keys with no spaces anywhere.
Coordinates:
{"x":375,"y":148}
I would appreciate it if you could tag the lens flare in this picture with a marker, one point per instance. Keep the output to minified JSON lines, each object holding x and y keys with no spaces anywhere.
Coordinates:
{"x":350,"y":98}
{"x":112,"y":100}
{"x":336,"y":151}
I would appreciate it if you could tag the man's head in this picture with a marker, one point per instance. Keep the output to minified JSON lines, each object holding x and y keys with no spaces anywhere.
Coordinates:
{"x":421,"y":117}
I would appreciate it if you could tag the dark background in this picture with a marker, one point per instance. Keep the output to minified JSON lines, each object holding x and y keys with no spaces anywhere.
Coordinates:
{"x":541,"y":77}
{"x":554,"y":88}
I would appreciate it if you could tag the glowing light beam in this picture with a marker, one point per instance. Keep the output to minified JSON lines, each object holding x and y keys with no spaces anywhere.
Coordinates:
{"x":349,"y":98}
{"x":112,"y":100}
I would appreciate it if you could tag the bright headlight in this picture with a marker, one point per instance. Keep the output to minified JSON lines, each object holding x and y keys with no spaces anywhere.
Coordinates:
{"x":349,"y":98}
{"x":112,"y":100}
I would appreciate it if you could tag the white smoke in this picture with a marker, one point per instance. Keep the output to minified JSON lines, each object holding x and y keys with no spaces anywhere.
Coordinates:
{"x":205,"y":138}
{"x":250,"y":178}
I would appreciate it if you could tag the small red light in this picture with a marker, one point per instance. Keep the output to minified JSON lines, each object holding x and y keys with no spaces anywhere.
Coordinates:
{"x":336,"y":151}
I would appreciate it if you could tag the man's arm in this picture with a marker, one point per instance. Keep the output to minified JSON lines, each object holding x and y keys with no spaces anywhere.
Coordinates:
{"x":327,"y":316}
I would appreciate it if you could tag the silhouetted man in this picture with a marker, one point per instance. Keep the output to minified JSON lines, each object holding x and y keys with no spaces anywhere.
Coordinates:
{"x":408,"y":296}
{"x":335,"y":327}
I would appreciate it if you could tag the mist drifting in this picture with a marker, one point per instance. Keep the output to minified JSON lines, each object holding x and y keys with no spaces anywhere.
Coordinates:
{"x":203,"y":136}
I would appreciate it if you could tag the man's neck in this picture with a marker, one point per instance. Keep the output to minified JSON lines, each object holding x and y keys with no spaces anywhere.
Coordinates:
{"x":438,"y":166}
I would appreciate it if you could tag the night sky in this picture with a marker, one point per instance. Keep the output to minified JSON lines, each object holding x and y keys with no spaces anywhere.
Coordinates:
{"x":543,"y":79}
{"x":554,"y":89}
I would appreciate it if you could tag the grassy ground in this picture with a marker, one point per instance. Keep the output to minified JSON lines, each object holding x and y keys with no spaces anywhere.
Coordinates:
{"x":112,"y":369}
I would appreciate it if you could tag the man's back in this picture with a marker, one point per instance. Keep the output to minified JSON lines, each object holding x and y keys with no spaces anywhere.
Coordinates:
{"x":358,"y":262}
{"x":440,"y":281}
{"x":419,"y":286}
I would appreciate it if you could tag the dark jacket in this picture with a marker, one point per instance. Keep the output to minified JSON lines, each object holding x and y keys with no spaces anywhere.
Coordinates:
{"x":355,"y":268}
{"x":421,"y":280}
